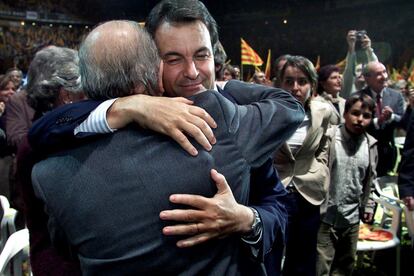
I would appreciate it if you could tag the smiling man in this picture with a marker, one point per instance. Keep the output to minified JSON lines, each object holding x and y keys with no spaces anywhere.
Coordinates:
{"x":388,"y":114}
{"x":126,"y":181}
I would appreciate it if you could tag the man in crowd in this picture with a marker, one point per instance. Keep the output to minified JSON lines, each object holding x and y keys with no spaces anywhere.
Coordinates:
{"x":358,"y":55}
{"x":389,"y":111}
{"x":259,"y":78}
{"x":111,"y":207}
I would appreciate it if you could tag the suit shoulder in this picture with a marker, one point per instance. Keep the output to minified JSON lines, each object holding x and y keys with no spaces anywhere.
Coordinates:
{"x":321,"y":107}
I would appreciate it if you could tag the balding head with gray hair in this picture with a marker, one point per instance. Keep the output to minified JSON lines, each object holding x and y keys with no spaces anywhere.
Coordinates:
{"x":52,"y":69}
{"x":117,"y":59}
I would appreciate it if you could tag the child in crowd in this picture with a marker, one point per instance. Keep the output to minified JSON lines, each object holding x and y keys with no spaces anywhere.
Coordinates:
{"x":353,"y":160}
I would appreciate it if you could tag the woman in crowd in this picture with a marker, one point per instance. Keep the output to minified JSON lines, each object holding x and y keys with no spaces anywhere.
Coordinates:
{"x":302,"y":166}
{"x":329,"y":87}
{"x":7,"y":89}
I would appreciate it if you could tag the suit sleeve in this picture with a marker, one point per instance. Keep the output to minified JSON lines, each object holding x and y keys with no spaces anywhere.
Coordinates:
{"x":268,"y":118}
{"x":399,"y":108}
{"x":267,"y":196}
{"x":16,"y":122}
{"x":56,"y":128}
{"x":406,"y":174}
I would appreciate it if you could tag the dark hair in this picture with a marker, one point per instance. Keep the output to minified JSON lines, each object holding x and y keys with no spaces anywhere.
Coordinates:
{"x":4,"y":81}
{"x":52,"y":68}
{"x":231,"y":70}
{"x":303,"y":64}
{"x":275,"y":71}
{"x":220,"y":57}
{"x":324,"y":74}
{"x":367,"y":102}
{"x":181,"y":11}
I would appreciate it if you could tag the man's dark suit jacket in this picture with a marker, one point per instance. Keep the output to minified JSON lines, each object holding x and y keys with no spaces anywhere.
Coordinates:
{"x":387,"y":152}
{"x":246,"y":136}
{"x":406,"y":174}
{"x":54,"y":132}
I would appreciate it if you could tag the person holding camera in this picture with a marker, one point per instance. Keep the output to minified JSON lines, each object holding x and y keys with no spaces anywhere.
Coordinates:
{"x":359,"y":54}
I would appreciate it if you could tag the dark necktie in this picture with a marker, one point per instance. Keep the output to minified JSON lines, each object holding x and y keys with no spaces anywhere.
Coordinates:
{"x":379,"y":106}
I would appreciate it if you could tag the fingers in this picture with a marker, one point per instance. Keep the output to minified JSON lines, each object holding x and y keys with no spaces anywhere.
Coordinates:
{"x":195,"y":122}
{"x":221,"y":182}
{"x":183,"y":141}
{"x":195,"y":240}
{"x":202,"y":114}
{"x":182,"y":215}
{"x":197,"y":201}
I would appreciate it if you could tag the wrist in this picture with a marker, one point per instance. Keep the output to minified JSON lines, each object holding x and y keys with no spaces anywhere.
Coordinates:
{"x":255,"y":227}
{"x":124,"y":111}
{"x":246,"y":219}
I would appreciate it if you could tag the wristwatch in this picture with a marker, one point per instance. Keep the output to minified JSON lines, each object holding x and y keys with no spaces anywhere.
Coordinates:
{"x":256,"y":226}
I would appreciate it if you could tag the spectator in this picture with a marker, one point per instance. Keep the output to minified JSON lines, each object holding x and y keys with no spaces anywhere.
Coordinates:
{"x":302,"y":164}
{"x":7,"y":89}
{"x":259,"y":78}
{"x":53,"y":80}
{"x":356,"y":59}
{"x":389,"y":111}
{"x":329,"y":88}
{"x":17,"y":76}
{"x":229,"y":73}
{"x":277,"y":67}
{"x":353,"y":159}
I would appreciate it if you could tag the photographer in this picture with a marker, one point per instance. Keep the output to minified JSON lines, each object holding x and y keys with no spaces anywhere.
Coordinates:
{"x":359,"y":54}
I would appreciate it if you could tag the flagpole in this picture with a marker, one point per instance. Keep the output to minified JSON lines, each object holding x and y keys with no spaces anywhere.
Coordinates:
{"x":241,"y":72}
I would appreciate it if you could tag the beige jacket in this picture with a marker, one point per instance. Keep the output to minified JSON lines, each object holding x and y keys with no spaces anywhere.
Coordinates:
{"x":336,"y":117}
{"x":308,"y":168}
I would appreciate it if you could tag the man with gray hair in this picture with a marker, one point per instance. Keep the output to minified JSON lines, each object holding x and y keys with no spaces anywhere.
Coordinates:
{"x":389,"y":111}
{"x":124,"y":180}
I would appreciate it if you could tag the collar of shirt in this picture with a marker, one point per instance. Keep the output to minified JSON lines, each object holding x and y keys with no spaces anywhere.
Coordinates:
{"x":220,"y":84}
{"x":374,"y":94}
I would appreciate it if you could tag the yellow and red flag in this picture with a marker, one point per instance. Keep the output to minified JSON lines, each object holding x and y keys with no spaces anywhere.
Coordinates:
{"x":268,"y":65}
{"x":248,"y":55}
{"x":341,"y":65}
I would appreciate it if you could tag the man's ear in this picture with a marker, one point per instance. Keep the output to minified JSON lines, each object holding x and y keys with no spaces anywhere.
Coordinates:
{"x":160,"y":75}
{"x":64,"y":97}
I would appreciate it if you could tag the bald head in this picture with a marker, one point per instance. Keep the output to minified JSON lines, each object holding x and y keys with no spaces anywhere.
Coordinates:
{"x":118,"y":58}
{"x":376,"y":76}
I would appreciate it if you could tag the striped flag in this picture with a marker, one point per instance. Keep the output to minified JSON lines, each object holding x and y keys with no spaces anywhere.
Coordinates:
{"x":268,"y":65}
{"x":248,"y":55}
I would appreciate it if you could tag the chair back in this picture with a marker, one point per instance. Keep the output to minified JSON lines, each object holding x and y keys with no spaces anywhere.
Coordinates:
{"x":13,"y":250}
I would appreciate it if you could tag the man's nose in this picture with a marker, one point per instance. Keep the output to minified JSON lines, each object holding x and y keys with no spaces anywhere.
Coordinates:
{"x":190,"y":70}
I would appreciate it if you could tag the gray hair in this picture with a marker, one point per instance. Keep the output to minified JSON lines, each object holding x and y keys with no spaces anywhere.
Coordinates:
{"x":117,"y":58}
{"x":52,"y":68}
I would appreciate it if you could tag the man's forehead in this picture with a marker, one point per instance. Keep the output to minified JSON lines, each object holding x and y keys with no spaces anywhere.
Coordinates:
{"x":171,"y":32}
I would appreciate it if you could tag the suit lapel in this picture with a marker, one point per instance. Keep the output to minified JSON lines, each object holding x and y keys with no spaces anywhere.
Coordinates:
{"x":315,"y":120}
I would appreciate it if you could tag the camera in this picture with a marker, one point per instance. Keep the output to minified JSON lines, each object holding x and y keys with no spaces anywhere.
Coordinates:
{"x":359,"y":37}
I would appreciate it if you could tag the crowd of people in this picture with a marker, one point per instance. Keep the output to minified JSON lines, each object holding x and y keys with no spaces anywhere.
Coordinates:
{"x":18,"y":45}
{"x":172,"y":165}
